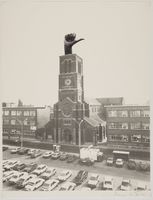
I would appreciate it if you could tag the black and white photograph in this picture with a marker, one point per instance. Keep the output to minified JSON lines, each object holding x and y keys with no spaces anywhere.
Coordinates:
{"x":75,"y":97}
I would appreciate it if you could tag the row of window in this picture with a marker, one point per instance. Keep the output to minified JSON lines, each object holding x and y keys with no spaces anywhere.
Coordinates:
{"x":19,"y":113}
{"x":136,"y":126}
{"x":15,"y":122}
{"x":133,"y":138}
{"x":67,"y":122}
{"x":124,"y":113}
{"x":15,"y":131}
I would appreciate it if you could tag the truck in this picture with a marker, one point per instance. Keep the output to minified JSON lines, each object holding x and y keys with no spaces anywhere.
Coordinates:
{"x":88,"y":155}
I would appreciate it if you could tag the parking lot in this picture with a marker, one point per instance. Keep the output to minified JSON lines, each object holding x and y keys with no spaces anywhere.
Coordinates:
{"x":99,"y":168}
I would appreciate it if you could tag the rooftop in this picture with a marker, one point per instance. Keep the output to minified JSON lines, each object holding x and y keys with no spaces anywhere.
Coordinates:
{"x":94,"y":120}
{"x":126,"y":105}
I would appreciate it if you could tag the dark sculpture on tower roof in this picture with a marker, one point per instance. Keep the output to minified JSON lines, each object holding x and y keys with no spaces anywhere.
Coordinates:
{"x":69,"y":42}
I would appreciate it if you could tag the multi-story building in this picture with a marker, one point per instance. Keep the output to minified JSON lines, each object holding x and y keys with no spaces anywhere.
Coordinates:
{"x":26,"y":119}
{"x":128,"y":124}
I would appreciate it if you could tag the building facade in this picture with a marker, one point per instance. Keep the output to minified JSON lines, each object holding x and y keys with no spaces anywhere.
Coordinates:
{"x":128,"y":124}
{"x":24,"y":119}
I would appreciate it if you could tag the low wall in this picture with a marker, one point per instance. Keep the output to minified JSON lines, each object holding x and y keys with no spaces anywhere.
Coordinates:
{"x":142,"y":155}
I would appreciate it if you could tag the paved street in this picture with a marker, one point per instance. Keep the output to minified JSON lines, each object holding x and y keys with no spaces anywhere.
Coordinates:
{"x":99,"y":168}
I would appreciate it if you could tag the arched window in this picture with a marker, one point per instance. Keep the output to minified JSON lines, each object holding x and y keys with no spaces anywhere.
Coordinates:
{"x":69,"y":66}
{"x":65,"y":66}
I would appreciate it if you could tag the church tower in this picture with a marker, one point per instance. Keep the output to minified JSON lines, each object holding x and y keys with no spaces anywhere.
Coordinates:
{"x":71,"y":78}
{"x":71,"y":109}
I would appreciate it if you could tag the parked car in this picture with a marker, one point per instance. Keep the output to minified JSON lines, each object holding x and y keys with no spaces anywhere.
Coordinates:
{"x":85,"y":189}
{"x":93,"y":181}
{"x":86,"y":161}
{"x":48,"y":173}
{"x":31,"y":167}
{"x":11,"y":164}
{"x":141,"y":187}
{"x":80,"y":177}
{"x":71,"y":158}
{"x":16,"y":177}
{"x":119,"y":162}
{"x":34,"y":184}
{"x":131,"y":164}
{"x":68,"y":186}
{"x":15,"y":150}
{"x":63,"y":156}
{"x":23,"y":181}
{"x":5,"y":148}
{"x":55,"y":155}
{"x":125,"y":185}
{"x":23,"y":151}
{"x":110,"y":161}
{"x":40,"y":169}
{"x":143,"y":166}
{"x":19,"y":166}
{"x":36,"y":154}
{"x":107,"y":183}
{"x":47,"y":154}
{"x":5,"y":162}
{"x":49,"y":185}
{"x":30,"y":151}
{"x":7,"y":175}
{"x":64,"y":175}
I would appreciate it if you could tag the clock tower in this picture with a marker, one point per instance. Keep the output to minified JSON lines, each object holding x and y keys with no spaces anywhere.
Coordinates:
{"x":71,"y":78}
{"x":71,"y":108}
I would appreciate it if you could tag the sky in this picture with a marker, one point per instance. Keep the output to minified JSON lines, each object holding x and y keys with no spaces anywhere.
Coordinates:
{"x":116,"y":51}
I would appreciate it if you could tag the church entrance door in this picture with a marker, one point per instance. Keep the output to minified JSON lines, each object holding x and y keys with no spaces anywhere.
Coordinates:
{"x":68,"y":136}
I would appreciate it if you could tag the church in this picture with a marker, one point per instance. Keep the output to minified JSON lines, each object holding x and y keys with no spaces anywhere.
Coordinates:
{"x":73,"y":121}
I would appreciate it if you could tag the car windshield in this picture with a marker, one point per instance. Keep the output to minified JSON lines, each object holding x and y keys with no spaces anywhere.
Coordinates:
{"x":11,"y":163}
{"x":15,"y":176}
{"x":108,"y":182}
{"x":22,"y":179}
{"x":125,"y":183}
{"x":93,"y":178}
{"x":80,"y":174}
{"x":46,"y":185}
{"x":48,"y":171}
{"x":110,"y":159}
{"x":62,"y":173}
{"x":53,"y":183}
{"x":39,"y":168}
{"x":62,"y":188}
{"x":31,"y":165}
{"x":30,"y":183}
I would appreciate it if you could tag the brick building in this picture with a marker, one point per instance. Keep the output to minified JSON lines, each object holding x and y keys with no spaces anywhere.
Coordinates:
{"x":26,"y":119}
{"x":128,"y":124}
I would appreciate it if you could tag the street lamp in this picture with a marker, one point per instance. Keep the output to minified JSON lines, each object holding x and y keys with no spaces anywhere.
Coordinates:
{"x":22,"y":128}
{"x":79,"y":124}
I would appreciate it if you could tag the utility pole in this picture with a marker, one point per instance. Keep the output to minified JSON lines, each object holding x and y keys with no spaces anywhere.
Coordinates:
{"x":22,"y":129}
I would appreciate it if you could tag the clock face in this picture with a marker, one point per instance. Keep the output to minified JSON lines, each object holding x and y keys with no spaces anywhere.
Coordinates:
{"x":67,"y":82}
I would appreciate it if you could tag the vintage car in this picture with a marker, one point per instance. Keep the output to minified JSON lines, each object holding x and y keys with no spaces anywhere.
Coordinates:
{"x":64,"y":175}
{"x":49,"y":185}
{"x":93,"y":181}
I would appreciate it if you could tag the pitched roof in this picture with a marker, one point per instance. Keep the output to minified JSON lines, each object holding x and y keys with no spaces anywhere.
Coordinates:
{"x":92,"y":101}
{"x":94,"y":121}
{"x":111,"y":101}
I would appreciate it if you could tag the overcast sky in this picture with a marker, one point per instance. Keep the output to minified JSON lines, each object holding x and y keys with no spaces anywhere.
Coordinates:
{"x":116,"y":51}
